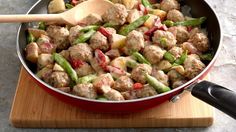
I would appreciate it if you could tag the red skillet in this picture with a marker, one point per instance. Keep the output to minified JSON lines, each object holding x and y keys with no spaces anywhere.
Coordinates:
{"x":221,"y":98}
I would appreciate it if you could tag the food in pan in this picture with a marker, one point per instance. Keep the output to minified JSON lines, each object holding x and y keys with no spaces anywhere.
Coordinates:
{"x":136,"y":49}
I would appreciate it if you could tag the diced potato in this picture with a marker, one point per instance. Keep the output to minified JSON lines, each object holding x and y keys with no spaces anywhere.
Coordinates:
{"x":150,"y":21}
{"x":37,"y":32}
{"x":102,"y":81}
{"x":117,"y":41}
{"x":129,"y":4}
{"x":44,"y":60}
{"x":32,"y":52}
{"x":179,"y":69}
{"x":162,"y":14}
{"x":56,"y":6}
{"x":57,"y":67}
{"x":119,"y":62}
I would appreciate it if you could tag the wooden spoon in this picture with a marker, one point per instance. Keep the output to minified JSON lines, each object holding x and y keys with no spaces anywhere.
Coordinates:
{"x":72,"y":16}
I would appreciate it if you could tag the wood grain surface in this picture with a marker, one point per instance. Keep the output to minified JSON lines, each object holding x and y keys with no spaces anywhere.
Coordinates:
{"x":34,"y":108}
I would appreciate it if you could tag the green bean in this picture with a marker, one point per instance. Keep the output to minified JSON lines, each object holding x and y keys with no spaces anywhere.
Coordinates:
{"x":181,"y":59}
{"x":160,"y":87}
{"x":42,"y":25}
{"x":140,"y":58}
{"x":168,"y":56}
{"x":87,"y":79}
{"x":163,"y":41}
{"x":132,"y":26}
{"x":102,"y":98}
{"x":84,"y":37}
{"x":146,"y":3}
{"x":206,"y":57}
{"x":192,"y":22}
{"x":131,"y":63}
{"x":69,"y":6}
{"x":66,"y":66}
{"x":30,"y":38}
{"x":89,"y":28}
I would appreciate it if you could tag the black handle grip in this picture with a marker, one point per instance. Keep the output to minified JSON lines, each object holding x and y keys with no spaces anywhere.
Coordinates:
{"x":217,"y":96}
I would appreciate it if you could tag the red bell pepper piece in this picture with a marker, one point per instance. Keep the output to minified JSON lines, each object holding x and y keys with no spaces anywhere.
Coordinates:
{"x":101,"y":58}
{"x":115,"y":70}
{"x":76,"y":63}
{"x":47,"y":47}
{"x":137,"y":86}
{"x":142,"y":8}
{"x":74,"y":2}
{"x":104,"y":32}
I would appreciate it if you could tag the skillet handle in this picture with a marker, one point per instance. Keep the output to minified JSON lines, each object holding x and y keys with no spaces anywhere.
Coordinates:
{"x":217,"y":96}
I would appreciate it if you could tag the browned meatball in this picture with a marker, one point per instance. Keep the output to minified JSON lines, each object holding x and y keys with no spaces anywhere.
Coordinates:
{"x":99,"y":41}
{"x":178,"y":83}
{"x":160,"y":76}
{"x":134,"y":41}
{"x":193,"y":66}
{"x":164,"y":38}
{"x":175,"y":15}
{"x":59,"y":36}
{"x":114,"y":95}
{"x":103,"y":80}
{"x":146,"y":91}
{"x":174,"y":75}
{"x":111,"y":30}
{"x":154,"y":54}
{"x":59,"y":79}
{"x":138,"y":73}
{"x":133,"y":15}
{"x":181,"y":33}
{"x":92,"y":19}
{"x":116,"y":15}
{"x":168,"y":5}
{"x":189,"y":46}
{"x":74,"y":33}
{"x":142,"y":29}
{"x":200,"y":41}
{"x":84,"y":70}
{"x":124,"y":83}
{"x":85,"y":90}
{"x":176,"y":51}
{"x":81,"y":51}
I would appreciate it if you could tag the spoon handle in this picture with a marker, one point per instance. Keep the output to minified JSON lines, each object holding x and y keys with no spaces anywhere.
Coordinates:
{"x":30,"y":18}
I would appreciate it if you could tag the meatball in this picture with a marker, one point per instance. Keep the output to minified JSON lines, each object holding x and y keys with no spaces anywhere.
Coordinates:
{"x":138,"y":73}
{"x":114,"y":95}
{"x":81,"y":51}
{"x":92,"y":19}
{"x":74,"y":33}
{"x":110,"y":30}
{"x":168,"y":5}
{"x":176,"y":51}
{"x":194,"y":31}
{"x":45,"y":73}
{"x":181,"y":33}
{"x":116,"y":15}
{"x":43,"y":39}
{"x":160,"y":76}
{"x":113,"y":53}
{"x":134,"y":41}
{"x":189,"y":46}
{"x":178,"y":83}
{"x":84,"y":70}
{"x":133,"y":15}
{"x":146,"y":91}
{"x":154,"y":54}
{"x":95,"y":65}
{"x":200,"y":41}
{"x":44,"y":60}
{"x":103,"y":80}
{"x":99,"y":41}
{"x":59,"y":79}
{"x":174,"y":75}
{"x":124,"y":83}
{"x":59,"y":36}
{"x":85,"y":90}
{"x":193,"y":66}
{"x":165,"y":38}
{"x":175,"y":15}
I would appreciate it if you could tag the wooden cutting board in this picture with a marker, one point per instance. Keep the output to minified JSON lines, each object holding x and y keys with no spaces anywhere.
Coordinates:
{"x":34,"y":108}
